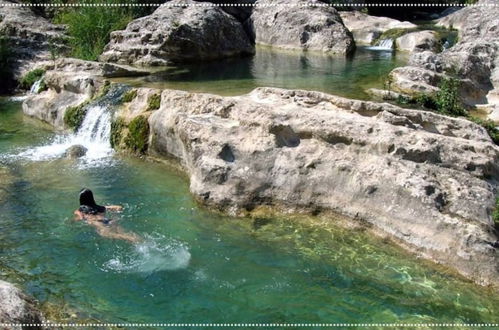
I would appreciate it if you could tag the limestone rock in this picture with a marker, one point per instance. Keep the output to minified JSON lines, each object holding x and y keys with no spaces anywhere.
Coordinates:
{"x":176,"y":33}
{"x":16,"y":307}
{"x":366,"y":28}
{"x":418,"y":41}
{"x":276,"y":23}
{"x":308,"y":150}
{"x":30,"y":36}
{"x":474,"y":59}
{"x":76,"y":151}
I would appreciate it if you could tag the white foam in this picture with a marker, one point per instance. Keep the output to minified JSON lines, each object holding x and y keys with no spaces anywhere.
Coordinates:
{"x":154,"y":254}
{"x":35,"y":88}
{"x":93,"y":134}
{"x":383,"y":45}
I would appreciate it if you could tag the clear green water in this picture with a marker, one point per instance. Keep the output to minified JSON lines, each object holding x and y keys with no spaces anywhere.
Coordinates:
{"x":196,"y":266}
{"x":337,"y":75}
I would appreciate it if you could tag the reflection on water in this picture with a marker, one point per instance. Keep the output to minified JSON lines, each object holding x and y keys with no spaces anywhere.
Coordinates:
{"x":278,"y":68}
{"x":197,"y":266}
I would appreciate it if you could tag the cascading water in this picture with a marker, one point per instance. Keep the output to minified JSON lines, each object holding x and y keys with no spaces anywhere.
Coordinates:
{"x":384,"y":45}
{"x":35,"y":88}
{"x":93,"y":134}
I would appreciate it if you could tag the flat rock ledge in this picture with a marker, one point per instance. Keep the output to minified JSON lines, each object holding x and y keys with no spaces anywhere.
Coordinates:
{"x":415,"y":175}
{"x":427,"y":180}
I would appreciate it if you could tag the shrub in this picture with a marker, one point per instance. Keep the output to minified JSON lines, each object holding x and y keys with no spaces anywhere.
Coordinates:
{"x":427,"y":101}
{"x":129,"y":96}
{"x":30,"y":78}
{"x":154,"y":102}
{"x":90,"y":27}
{"x":138,"y":135}
{"x":490,"y":126}
{"x":447,"y":98}
{"x":73,"y":117}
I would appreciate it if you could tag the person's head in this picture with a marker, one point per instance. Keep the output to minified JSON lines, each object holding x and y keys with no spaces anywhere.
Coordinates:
{"x":87,"y":197}
{"x":88,"y":204}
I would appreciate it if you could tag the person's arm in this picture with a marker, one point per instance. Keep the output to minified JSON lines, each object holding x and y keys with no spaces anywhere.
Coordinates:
{"x":115,"y":208}
{"x":78,"y":215}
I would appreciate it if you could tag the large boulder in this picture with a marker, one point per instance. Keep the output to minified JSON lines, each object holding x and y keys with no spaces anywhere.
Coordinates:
{"x":366,"y":28}
{"x":176,"y":33}
{"x":18,"y":308}
{"x":300,"y":24}
{"x":418,"y":41}
{"x":300,"y":150}
{"x":30,"y":37}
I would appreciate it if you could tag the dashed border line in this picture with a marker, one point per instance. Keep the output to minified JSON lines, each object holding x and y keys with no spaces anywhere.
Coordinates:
{"x":207,"y":4}
{"x":271,"y":325}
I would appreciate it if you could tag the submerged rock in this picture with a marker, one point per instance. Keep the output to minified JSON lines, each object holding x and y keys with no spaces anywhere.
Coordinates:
{"x":178,"y":34}
{"x":306,"y":150}
{"x":17,"y":308}
{"x":76,"y":151}
{"x":276,"y":23}
{"x":366,"y":28}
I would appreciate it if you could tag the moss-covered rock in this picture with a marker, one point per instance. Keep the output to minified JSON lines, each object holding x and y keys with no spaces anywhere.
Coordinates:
{"x":138,"y":135}
{"x":73,"y":117}
{"x":129,"y":96}
{"x":117,"y":132}
{"x":154,"y":102}
{"x":30,"y":78}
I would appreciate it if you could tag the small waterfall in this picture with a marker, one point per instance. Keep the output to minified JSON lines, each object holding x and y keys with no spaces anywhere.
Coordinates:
{"x":384,"y":44}
{"x":35,"y":88}
{"x":93,"y":134}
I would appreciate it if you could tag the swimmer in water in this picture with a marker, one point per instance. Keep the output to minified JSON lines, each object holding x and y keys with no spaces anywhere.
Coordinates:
{"x":95,"y":215}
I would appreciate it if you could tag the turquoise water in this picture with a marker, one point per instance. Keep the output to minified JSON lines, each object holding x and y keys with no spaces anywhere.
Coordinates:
{"x":337,"y":75}
{"x":194,"y":265}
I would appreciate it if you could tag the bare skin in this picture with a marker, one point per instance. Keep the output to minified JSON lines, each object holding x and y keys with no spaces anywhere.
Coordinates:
{"x":114,"y":232}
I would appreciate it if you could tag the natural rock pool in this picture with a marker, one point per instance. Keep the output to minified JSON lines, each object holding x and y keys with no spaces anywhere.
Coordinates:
{"x":348,"y":77}
{"x":195,"y":265}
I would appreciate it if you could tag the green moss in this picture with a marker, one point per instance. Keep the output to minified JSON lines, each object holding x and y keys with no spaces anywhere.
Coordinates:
{"x":129,"y":96}
{"x":490,"y":126}
{"x":154,"y":102}
{"x":31,"y":77}
{"x":138,"y":135}
{"x":73,"y":117}
{"x":117,"y":128}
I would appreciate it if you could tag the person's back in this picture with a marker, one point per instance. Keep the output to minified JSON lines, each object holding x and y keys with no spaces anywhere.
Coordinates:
{"x":95,"y":215}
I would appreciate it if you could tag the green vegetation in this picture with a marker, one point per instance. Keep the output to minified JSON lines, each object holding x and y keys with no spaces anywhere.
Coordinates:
{"x":73,"y":117}
{"x":129,"y":96}
{"x":30,"y":78}
{"x":138,"y":135}
{"x":154,"y":102}
{"x":117,"y":128}
{"x":490,"y":126}
{"x":447,"y":98}
{"x":90,"y":27}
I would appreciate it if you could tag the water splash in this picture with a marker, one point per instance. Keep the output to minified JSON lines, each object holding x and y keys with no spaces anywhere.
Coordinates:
{"x":383,"y":45}
{"x":93,"y":134}
{"x":153,"y":255}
